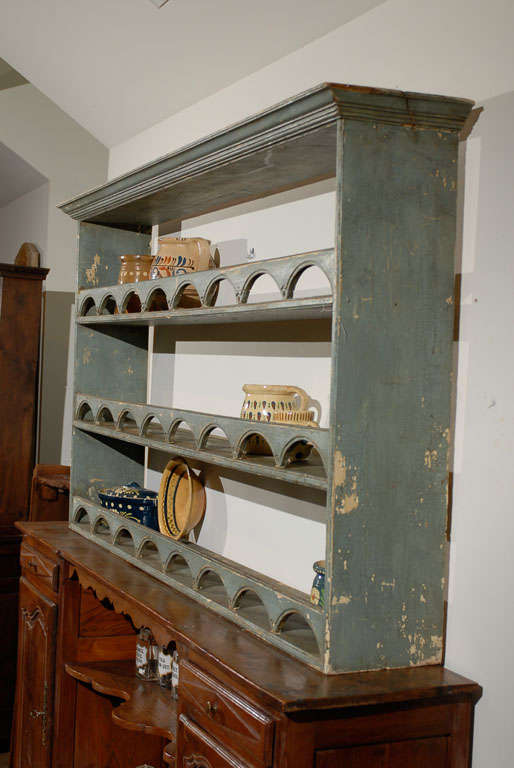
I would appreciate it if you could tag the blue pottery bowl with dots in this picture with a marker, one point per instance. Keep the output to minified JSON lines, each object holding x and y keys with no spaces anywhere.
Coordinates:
{"x":132,"y":501}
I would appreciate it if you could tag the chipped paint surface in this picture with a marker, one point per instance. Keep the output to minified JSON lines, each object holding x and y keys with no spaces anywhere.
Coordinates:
{"x":345,"y":481}
{"x":91,"y":272}
{"x":393,"y":377}
{"x":430,"y":458}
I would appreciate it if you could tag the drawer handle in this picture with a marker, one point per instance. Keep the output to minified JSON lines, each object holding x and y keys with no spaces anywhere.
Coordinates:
{"x":211,"y":708}
{"x":32,"y":565}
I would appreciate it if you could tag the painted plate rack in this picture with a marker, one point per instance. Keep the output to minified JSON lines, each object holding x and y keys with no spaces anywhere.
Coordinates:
{"x":381,"y":467}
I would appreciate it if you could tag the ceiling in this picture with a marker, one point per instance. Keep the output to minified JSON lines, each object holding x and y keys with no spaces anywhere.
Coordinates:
{"x":16,"y":176}
{"x":120,"y":66}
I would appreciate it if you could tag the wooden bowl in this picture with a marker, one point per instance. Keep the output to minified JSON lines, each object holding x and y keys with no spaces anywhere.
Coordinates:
{"x":181,"y":501}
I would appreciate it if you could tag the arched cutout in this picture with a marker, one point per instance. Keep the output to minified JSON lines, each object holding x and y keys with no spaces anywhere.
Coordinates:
{"x":187,"y":297}
{"x":85,"y":413}
{"x":105,"y":417}
{"x":125,"y":541}
{"x":150,"y":555}
{"x":215,"y":440}
{"x":127,"y":423}
{"x":182,"y":435}
{"x":295,"y":629}
{"x":221,"y":293}
{"x":309,"y":280}
{"x":157,"y":301}
{"x":306,"y":452}
{"x":88,"y":307}
{"x":102,"y":528}
{"x":108,"y":306}
{"x":152,"y":428}
{"x":82,"y":518}
{"x":131,"y":303}
{"x":211,"y":586}
{"x":250,"y":606}
{"x":260,"y":287}
{"x":179,"y":570}
{"x":253,"y":444}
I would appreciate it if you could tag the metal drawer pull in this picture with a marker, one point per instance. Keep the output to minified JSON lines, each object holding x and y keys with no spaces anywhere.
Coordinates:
{"x":211,"y":708}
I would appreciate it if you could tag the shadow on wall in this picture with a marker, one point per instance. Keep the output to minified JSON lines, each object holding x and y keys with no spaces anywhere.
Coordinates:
{"x":479,"y":635}
{"x":54,"y":362}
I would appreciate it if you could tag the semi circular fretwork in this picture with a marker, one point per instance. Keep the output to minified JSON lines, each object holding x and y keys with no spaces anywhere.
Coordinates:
{"x":155,"y":553}
{"x":284,"y":271}
{"x":136,"y":418}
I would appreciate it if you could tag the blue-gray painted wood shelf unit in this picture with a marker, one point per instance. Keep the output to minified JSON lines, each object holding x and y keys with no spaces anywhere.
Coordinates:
{"x":381,"y":469}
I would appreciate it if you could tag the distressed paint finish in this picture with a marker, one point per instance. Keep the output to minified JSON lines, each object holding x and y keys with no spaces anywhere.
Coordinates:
{"x":392,"y":379}
{"x":110,"y":360}
{"x":278,"y":600}
{"x":100,"y":249}
{"x":101,"y":462}
{"x":394,"y":155}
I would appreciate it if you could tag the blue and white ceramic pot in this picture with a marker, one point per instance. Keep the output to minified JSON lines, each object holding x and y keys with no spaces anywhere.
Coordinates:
{"x":132,"y":501}
{"x":318,"y":585}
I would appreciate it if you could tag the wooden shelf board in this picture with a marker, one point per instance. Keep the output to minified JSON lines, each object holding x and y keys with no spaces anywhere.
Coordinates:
{"x":310,"y":308}
{"x":262,"y":466}
{"x":146,"y":708}
{"x":290,"y":144}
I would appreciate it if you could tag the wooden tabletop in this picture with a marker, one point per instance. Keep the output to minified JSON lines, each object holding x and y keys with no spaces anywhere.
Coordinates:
{"x":283,"y":681}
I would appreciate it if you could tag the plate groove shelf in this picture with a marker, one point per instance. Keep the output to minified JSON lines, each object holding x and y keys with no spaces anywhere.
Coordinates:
{"x":159,"y":428}
{"x":108,"y":304}
{"x":266,"y":312}
{"x":191,"y":569}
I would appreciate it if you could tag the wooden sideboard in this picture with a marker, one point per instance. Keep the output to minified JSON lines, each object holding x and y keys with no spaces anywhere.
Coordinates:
{"x":242,"y":703}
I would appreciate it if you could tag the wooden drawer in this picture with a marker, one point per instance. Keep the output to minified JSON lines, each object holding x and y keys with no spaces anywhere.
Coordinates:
{"x":232,"y":720}
{"x":38,"y":568}
{"x":196,"y":749}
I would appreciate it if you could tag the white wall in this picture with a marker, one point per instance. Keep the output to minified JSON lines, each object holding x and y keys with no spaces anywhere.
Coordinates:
{"x":480,"y":617}
{"x":25,"y":220}
{"x":463,"y":49}
{"x":71,"y":159}
{"x":453,"y":47}
{"x":67,"y":155}
{"x":244,"y":522}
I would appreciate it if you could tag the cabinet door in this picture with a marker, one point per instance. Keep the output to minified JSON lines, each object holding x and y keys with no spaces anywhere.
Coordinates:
{"x":35,"y":681}
{"x":418,"y":753}
{"x":196,"y":749}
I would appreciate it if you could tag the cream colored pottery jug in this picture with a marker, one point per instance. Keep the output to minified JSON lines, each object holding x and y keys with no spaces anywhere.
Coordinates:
{"x":279,"y":403}
{"x":180,"y":256}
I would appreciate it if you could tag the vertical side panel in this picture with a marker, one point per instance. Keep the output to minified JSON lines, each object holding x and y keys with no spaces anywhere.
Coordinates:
{"x":391,"y":397}
{"x":100,"y":249}
{"x":100,"y":462}
{"x":112,"y":362}
{"x":108,"y":361}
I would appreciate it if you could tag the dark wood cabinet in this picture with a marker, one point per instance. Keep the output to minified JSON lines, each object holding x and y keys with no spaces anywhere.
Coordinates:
{"x":36,"y":665}
{"x":241,"y":702}
{"x":20,"y":324}
{"x":418,"y":753}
